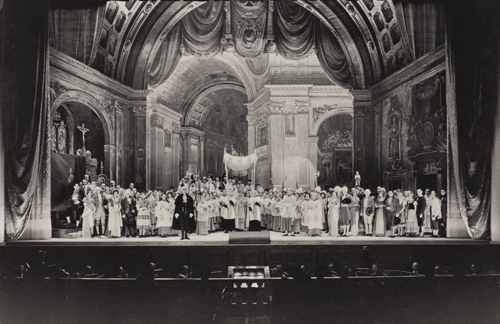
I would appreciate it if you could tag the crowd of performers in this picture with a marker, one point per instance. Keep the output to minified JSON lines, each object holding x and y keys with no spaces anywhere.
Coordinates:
{"x":203,"y":206}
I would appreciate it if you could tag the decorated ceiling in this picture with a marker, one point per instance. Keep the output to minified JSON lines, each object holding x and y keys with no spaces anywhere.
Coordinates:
{"x":367,"y":30}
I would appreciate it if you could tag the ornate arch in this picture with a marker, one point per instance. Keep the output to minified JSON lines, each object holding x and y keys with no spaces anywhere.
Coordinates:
{"x":327,"y":114}
{"x":89,"y":101}
{"x":187,"y":115}
{"x":360,"y":59}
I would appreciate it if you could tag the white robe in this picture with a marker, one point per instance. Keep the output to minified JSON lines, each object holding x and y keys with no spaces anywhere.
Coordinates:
{"x":315,"y":214}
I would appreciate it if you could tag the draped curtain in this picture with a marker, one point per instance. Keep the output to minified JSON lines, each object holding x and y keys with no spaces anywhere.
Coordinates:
{"x":167,"y":58}
{"x":24,"y":120}
{"x":424,"y":23}
{"x":471,"y":103}
{"x":297,"y":33}
{"x":294,"y":30}
{"x":83,"y":24}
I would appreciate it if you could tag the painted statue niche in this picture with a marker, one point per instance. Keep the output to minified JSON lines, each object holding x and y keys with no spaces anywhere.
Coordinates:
{"x":62,"y":131}
{"x":393,"y":125}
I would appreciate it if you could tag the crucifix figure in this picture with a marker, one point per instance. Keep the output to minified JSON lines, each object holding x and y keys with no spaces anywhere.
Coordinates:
{"x":83,"y":130}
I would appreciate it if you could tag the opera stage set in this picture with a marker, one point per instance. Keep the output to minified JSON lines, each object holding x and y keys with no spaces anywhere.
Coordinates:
{"x":147,"y":92}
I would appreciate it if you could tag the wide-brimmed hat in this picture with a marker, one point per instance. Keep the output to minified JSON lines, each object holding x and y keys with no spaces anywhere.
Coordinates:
{"x":317,"y":189}
{"x":299,"y":191}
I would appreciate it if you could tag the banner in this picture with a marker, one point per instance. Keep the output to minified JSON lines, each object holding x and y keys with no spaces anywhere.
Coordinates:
{"x":239,"y":163}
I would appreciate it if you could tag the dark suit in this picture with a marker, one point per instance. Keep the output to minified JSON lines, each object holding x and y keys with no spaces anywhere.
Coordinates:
{"x":130,"y":212}
{"x":422,"y":203}
{"x":184,"y":209}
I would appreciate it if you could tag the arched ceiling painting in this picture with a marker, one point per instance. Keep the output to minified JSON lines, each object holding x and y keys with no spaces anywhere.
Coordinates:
{"x":371,"y":27}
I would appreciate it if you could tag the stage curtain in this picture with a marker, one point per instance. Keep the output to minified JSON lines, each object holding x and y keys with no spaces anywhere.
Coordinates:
{"x":24,"y":118}
{"x":167,"y":58}
{"x":471,"y":103}
{"x":75,"y":31}
{"x":202,"y":29}
{"x":332,"y":57}
{"x":424,"y":23}
{"x":294,"y":30}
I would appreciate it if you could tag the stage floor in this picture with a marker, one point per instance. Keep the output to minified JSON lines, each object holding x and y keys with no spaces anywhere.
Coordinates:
{"x":277,"y":239}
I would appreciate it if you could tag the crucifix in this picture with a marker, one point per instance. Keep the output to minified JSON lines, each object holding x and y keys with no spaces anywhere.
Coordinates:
{"x":83,"y":130}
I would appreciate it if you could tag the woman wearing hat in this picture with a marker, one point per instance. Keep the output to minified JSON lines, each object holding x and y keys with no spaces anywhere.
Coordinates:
{"x":380,"y":213}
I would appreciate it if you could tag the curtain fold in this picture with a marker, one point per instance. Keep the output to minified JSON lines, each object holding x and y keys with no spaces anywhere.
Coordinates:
{"x":24,"y":118}
{"x":424,"y":24}
{"x":297,"y":33}
{"x":470,"y":100}
{"x":294,"y":30}
{"x":84,"y":26}
{"x":332,"y":57}
{"x":202,"y":29}
{"x":167,"y":58}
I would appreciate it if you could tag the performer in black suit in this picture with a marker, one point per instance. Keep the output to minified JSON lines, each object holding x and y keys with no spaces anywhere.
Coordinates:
{"x":130,"y":211}
{"x":184,"y":210}
{"x":421,"y":210}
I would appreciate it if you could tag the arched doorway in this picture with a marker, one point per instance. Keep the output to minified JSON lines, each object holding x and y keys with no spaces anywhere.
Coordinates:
{"x":335,"y":143}
{"x":71,"y":163}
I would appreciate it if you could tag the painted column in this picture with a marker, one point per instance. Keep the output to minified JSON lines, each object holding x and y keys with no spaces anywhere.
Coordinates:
{"x":157,"y":152}
{"x":119,"y":172}
{"x":201,"y":153}
{"x":186,"y":147}
{"x":313,"y":160}
{"x":378,"y":134}
{"x":302,"y":132}
{"x":176,"y":154}
{"x":276,"y":141}
{"x":359,"y":141}
{"x":109,"y":161}
{"x":140,"y":147}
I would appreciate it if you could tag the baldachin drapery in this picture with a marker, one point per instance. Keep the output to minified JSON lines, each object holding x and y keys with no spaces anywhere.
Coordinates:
{"x":297,"y":34}
{"x":24,"y":120}
{"x":240,"y":163}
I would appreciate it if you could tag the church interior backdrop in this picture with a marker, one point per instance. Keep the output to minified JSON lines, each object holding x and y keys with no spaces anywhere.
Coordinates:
{"x":164,"y":95}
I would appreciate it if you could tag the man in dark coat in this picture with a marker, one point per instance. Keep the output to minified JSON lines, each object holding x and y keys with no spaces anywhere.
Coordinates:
{"x":184,"y":210}
{"x":130,"y":212}
{"x":421,"y":201}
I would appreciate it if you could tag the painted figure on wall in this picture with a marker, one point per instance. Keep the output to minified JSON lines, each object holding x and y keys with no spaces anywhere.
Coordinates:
{"x":61,"y":138}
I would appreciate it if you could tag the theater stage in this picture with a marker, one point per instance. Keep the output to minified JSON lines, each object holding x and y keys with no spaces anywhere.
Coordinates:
{"x":276,"y":239}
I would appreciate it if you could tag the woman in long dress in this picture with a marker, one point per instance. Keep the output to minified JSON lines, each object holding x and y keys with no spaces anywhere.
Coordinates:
{"x":411,"y":216}
{"x":333,"y":214}
{"x":345,"y":200}
{"x":143,"y":218}
{"x":379,"y":226}
{"x":161,"y":212}
{"x":390,"y":207}
{"x":115,"y":222}
{"x":354,"y":213}
{"x":202,"y":222}
{"x":88,"y":214}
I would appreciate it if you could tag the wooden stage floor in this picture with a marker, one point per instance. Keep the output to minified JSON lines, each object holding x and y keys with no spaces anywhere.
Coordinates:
{"x":277,"y":239}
